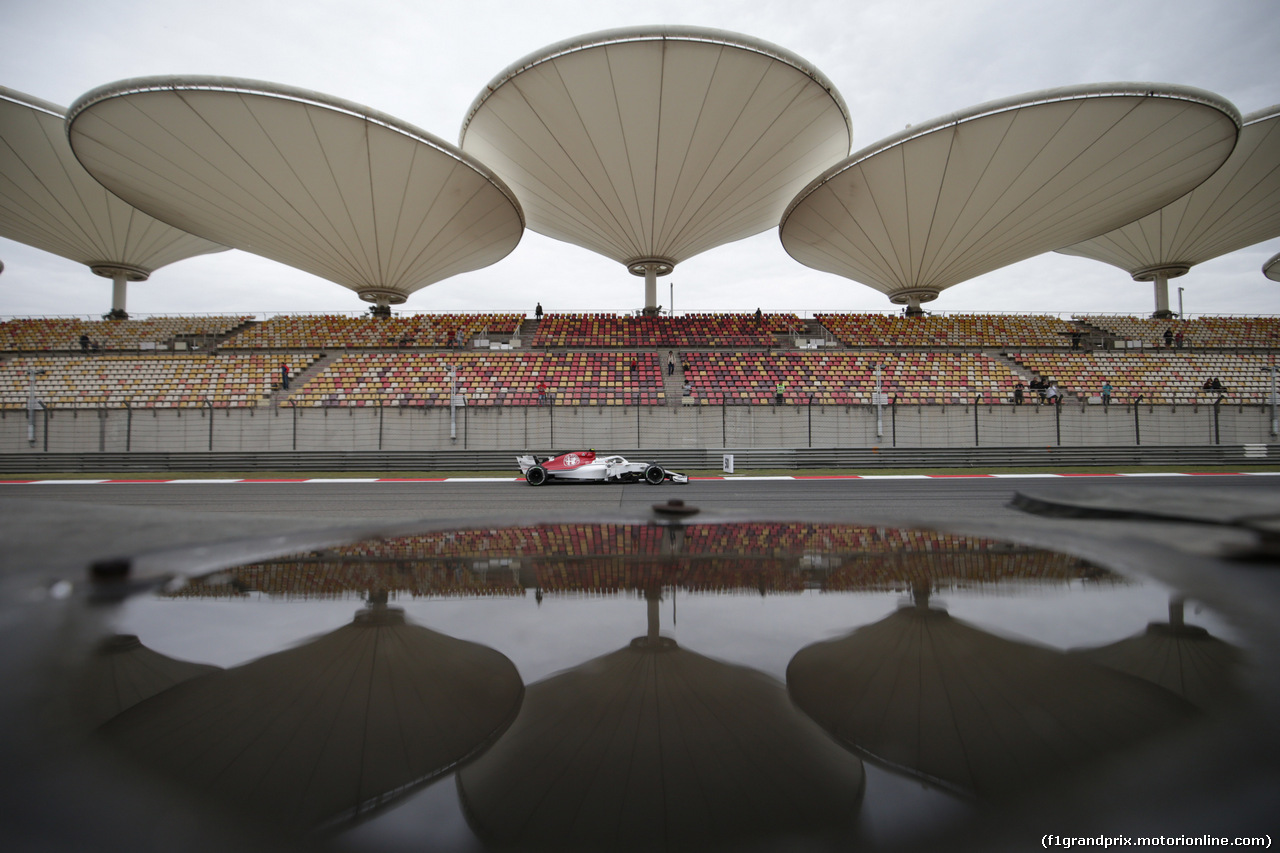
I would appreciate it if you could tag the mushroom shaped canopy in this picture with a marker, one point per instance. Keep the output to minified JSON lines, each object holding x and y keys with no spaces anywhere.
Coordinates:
{"x":977,"y":190}
{"x":1271,"y":269}
{"x":1237,"y":207}
{"x":321,"y":184}
{"x":650,"y":145}
{"x":47,"y":200}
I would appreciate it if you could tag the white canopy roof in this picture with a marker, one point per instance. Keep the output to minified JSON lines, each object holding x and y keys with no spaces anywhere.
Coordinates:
{"x":1271,"y":269}
{"x":1237,"y":207}
{"x":971,"y":192}
{"x":655,"y":144}
{"x":47,"y":200}
{"x":315,"y":182}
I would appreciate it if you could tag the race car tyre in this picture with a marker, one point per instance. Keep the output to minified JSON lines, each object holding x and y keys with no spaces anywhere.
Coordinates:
{"x":654,"y":475}
{"x":536,"y":476}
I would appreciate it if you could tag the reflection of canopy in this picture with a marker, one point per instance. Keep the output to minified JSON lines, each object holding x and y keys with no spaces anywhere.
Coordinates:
{"x":1179,"y":657}
{"x":656,"y":747}
{"x":1237,"y":207}
{"x":327,"y":732}
{"x":123,"y":672}
{"x":324,"y":185}
{"x":974,"y":191}
{"x":949,"y":703}
{"x":49,"y":201}
{"x":651,"y":145}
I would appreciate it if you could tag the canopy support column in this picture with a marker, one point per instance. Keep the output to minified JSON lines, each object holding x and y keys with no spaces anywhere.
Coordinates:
{"x":1159,"y":278}
{"x":120,"y":275}
{"x":651,"y":268}
{"x":1161,"y":284}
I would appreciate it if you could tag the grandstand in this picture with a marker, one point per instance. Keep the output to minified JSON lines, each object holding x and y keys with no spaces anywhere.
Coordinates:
{"x":736,"y":380}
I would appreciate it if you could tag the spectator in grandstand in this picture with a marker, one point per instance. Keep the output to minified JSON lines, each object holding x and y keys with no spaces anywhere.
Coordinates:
{"x":1168,"y":337}
{"x":1075,"y":339}
{"x":537,"y":311}
{"x":671,"y":363}
{"x":1037,"y":385}
{"x":1017,"y":394}
{"x":284,"y":376}
{"x":1177,"y":340}
{"x":1052,"y":394}
{"x":1214,"y":384}
{"x":688,"y":387}
{"x":84,"y":343}
{"x":1106,"y":392}
{"x":777,"y":392}
{"x":759,"y":317}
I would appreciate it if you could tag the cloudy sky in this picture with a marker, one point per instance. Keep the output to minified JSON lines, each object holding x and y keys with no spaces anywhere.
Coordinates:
{"x":896,"y":62}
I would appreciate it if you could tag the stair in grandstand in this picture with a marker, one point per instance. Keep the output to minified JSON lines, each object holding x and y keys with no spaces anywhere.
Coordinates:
{"x":525,"y":332}
{"x":228,"y":338}
{"x":1094,"y":337}
{"x":1023,"y":373}
{"x":673,"y":385}
{"x":815,"y":336}
{"x":299,"y":380}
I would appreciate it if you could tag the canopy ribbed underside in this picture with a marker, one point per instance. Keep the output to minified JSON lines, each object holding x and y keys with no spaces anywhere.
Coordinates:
{"x":1237,"y":207}
{"x":48,"y":200}
{"x":355,"y":200}
{"x":659,"y":148}
{"x":973,"y":195}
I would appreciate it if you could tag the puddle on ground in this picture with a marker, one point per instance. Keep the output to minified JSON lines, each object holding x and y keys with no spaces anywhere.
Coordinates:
{"x":629,"y":686}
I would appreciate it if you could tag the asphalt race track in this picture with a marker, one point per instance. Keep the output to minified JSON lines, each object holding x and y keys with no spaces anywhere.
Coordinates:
{"x":955,"y":499}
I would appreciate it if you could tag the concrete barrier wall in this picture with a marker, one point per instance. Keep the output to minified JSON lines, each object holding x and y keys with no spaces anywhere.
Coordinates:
{"x":687,"y":427}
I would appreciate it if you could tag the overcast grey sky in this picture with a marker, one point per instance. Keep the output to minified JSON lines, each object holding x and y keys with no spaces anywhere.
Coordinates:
{"x":896,"y":62}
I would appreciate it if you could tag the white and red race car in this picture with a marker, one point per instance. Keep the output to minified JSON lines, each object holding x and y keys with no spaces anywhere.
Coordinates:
{"x":587,"y":466}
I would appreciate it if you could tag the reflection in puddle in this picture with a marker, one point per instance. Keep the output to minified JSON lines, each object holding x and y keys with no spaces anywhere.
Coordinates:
{"x":649,"y":742}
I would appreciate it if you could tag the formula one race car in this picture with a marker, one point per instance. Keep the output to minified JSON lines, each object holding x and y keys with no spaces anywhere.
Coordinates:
{"x":588,"y":466}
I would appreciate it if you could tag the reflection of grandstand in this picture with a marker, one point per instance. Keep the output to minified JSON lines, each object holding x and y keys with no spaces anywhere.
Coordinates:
{"x":580,"y":559}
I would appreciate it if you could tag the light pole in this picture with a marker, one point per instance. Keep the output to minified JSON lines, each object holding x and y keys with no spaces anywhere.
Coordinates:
{"x":1180,"y":289}
{"x":879,"y":398}
{"x":1275,"y":424}
{"x":32,"y":373}
{"x":453,"y":403}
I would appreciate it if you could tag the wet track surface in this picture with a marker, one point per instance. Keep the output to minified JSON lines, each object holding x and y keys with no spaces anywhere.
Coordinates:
{"x":956,"y":499}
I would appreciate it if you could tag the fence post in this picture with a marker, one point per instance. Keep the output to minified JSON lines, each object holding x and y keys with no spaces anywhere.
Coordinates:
{"x":893,"y":417}
{"x":1057,"y":417}
{"x":102,"y":428}
{"x":977,"y":400}
{"x":209,"y":403}
{"x":1137,"y":427}
{"x":128,"y":426}
{"x":293,"y":404}
{"x":1217,"y":432}
{"x":811,"y":420}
